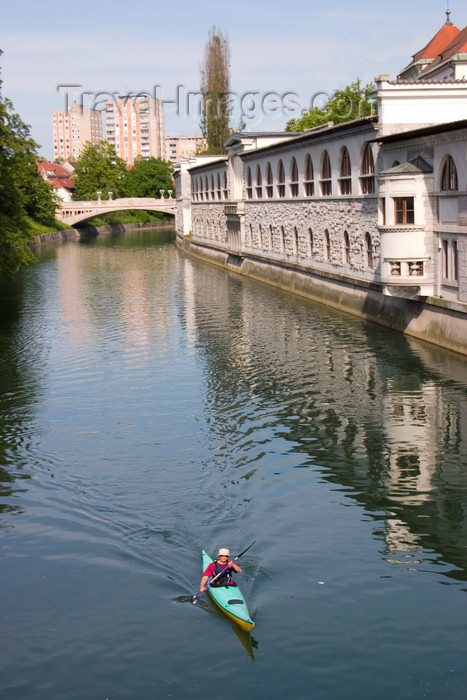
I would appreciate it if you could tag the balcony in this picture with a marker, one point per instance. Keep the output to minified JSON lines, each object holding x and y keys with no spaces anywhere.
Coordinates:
{"x":407,"y":277}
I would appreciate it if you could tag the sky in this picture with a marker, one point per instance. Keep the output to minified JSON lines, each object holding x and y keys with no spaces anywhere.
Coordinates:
{"x":284,"y":58}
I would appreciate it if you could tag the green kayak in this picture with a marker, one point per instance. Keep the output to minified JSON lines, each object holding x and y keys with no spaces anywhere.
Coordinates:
{"x":230,"y":600}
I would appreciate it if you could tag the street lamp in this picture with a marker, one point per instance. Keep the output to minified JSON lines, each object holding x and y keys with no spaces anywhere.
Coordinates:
{"x":99,"y":196}
{"x":162,"y":193}
{"x":170,"y":193}
{"x":110,"y":195}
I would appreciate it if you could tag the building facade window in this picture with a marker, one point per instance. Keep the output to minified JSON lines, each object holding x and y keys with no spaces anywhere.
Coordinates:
{"x":293,"y":178}
{"x":295,"y":240}
{"x":259,"y":183}
{"x":326,"y":175}
{"x":269,"y":182}
{"x":282,"y":239}
{"x":367,"y":178}
{"x":450,"y":262}
{"x":346,"y":250}
{"x":310,"y":242}
{"x":327,"y":245}
{"x":219,"y":193}
{"x":404,"y":210}
{"x":281,"y":179}
{"x":308,"y":182}
{"x":226,"y":192}
{"x":249,"y":184}
{"x":345,"y":172}
{"x":449,"y":181}
{"x":368,"y":250}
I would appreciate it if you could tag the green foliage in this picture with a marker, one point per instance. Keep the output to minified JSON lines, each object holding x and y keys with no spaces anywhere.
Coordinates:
{"x":99,"y":169}
{"x":131,"y":216}
{"x":215,"y":86}
{"x":22,"y":191}
{"x":148,"y":177}
{"x":353,"y":102}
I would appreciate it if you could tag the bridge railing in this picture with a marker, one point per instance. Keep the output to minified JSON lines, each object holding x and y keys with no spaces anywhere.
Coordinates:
{"x":75,"y":211}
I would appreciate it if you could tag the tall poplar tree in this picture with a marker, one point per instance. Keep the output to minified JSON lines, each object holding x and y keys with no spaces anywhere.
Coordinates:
{"x":215,"y":86}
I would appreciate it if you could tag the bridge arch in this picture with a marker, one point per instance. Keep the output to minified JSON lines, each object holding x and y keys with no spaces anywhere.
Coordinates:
{"x":74,"y":212}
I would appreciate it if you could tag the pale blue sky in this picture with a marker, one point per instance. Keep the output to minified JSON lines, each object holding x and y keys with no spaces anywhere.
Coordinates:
{"x":296,"y":49}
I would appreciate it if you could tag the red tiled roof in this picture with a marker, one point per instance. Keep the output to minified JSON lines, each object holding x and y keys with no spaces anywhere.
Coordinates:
{"x":457,"y":45}
{"x":53,"y":169}
{"x":63,"y":182}
{"x":440,"y":41}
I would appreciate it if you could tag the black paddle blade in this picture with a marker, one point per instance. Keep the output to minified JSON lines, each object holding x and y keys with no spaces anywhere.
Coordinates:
{"x":187,"y":599}
{"x":246,"y":550}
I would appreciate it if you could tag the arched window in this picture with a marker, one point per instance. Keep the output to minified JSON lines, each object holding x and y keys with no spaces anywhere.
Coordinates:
{"x":293,"y":178}
{"x":295,"y":240}
{"x":325,"y":175}
{"x":269,"y":182}
{"x":309,"y":177}
{"x":259,"y":183}
{"x":280,"y":179}
{"x":368,"y":250}
{"x":261,"y":242}
{"x":449,"y":181}
{"x":345,"y":172}
{"x":367,"y":177}
{"x":310,"y":242}
{"x":249,"y":184}
{"x":226,"y":192}
{"x":271,"y":238}
{"x":346,"y":248}
{"x":327,"y":245}
{"x":283,"y":239}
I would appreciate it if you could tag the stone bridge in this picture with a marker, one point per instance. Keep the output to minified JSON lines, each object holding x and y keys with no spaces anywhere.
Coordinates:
{"x":73,"y":212}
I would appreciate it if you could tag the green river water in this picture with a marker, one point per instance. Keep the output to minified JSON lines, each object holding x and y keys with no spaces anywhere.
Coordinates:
{"x":152,"y":406}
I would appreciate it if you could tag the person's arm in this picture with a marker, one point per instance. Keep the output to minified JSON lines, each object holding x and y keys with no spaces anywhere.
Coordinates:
{"x":208,"y":572}
{"x":235,"y":567}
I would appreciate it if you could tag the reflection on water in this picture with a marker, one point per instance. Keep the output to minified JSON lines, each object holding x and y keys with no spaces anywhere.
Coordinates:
{"x":380,"y":414}
{"x":152,"y":406}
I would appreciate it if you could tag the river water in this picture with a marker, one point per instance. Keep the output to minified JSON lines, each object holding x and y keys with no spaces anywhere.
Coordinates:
{"x":151,"y":406}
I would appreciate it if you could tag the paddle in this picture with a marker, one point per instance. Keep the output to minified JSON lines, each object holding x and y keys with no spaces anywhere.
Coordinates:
{"x":193,"y":599}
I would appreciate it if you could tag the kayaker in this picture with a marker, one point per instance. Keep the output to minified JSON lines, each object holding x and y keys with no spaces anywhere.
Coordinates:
{"x":216,"y":567}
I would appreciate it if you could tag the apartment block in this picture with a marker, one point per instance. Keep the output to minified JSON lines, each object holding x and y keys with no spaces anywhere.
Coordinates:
{"x":180,"y":147}
{"x":73,"y":128}
{"x":135,"y":126}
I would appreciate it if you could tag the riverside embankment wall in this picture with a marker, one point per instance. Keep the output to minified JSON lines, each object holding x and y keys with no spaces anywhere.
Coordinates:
{"x":434,"y":320}
{"x":75,"y":233}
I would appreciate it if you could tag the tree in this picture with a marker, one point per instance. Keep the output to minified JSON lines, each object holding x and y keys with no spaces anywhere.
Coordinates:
{"x":148,"y":177}
{"x":99,"y":169}
{"x":344,"y":105}
{"x":22,"y":191}
{"x":215,"y":86}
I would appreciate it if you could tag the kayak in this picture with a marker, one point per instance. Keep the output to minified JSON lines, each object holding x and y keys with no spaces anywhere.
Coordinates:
{"x":230,"y":600}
